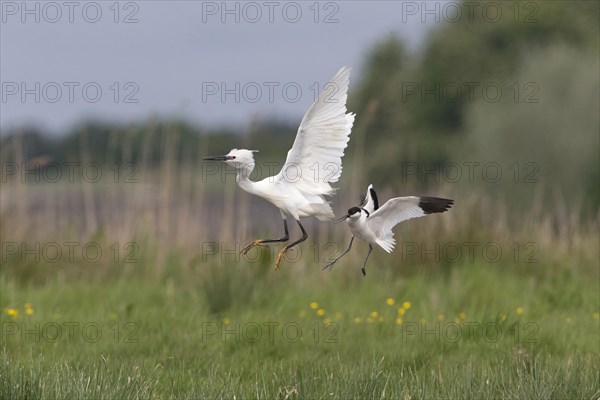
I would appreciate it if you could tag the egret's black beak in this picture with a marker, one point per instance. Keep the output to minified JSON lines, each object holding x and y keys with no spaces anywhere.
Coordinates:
{"x":218,"y":158}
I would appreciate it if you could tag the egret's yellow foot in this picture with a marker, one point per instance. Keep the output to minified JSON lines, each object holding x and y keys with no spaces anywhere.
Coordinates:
{"x":280,"y":257}
{"x":250,"y":245}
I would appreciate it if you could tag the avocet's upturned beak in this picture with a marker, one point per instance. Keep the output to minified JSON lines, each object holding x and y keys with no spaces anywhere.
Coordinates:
{"x":340,"y":219}
{"x":218,"y":158}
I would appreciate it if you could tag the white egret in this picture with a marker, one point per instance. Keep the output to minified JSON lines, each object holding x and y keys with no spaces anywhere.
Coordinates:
{"x":374,"y":224}
{"x":312,"y":164}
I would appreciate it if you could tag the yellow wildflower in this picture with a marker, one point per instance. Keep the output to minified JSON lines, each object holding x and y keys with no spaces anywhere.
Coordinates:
{"x":320,"y":312}
{"x":390,"y":301}
{"x":596,"y":315}
{"x":374,"y":314}
{"x":406,"y":305}
{"x":357,"y":320}
{"x":399,"y":321}
{"x":520,"y":310}
{"x":314,"y":305}
{"x":462,"y":315}
{"x":226,"y":321}
{"x":401,"y":311}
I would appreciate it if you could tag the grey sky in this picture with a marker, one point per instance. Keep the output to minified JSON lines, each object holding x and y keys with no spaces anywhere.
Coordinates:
{"x":178,"y":53}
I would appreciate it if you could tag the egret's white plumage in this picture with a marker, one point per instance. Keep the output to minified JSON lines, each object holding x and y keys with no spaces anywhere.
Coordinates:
{"x":302,"y":186}
{"x":374,"y":224}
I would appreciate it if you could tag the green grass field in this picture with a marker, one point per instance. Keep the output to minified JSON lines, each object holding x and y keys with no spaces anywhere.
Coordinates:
{"x":469,"y":330}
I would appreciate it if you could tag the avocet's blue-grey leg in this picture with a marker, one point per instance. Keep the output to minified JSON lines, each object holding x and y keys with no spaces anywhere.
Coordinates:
{"x":365,"y":263}
{"x":328,"y":266}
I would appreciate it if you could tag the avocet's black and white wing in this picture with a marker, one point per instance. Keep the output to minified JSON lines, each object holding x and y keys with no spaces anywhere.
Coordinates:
{"x":370,"y":201}
{"x":401,"y":209}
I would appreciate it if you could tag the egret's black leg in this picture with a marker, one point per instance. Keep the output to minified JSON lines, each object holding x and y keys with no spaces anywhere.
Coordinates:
{"x":365,"y":263}
{"x":328,"y":266}
{"x":260,"y":242}
{"x":289,"y":246}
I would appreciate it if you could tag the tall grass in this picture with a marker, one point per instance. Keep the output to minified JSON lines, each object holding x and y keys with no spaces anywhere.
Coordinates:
{"x":188,"y":213}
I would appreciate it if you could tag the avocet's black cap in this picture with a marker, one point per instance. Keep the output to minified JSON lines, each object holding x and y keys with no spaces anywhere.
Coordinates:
{"x":353,"y":211}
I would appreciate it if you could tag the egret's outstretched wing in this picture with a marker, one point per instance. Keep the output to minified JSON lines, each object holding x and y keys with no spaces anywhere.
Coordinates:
{"x":401,"y":209}
{"x":315,"y":159}
{"x":370,"y":202}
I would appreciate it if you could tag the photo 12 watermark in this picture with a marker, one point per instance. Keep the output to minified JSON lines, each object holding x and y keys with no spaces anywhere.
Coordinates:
{"x":470,"y":171}
{"x":268,"y":92}
{"x":70,"y":12}
{"x":91,"y":92}
{"x":469,"y":92}
{"x":41,"y":170}
{"x":70,"y":252}
{"x":69,"y":332}
{"x":468,"y":331}
{"x":253,"y":12}
{"x":489,"y":252}
{"x":451,"y":12}
{"x":270,"y":332}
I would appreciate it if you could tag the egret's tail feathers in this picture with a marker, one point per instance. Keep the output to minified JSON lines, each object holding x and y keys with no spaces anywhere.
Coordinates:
{"x":323,"y":212}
